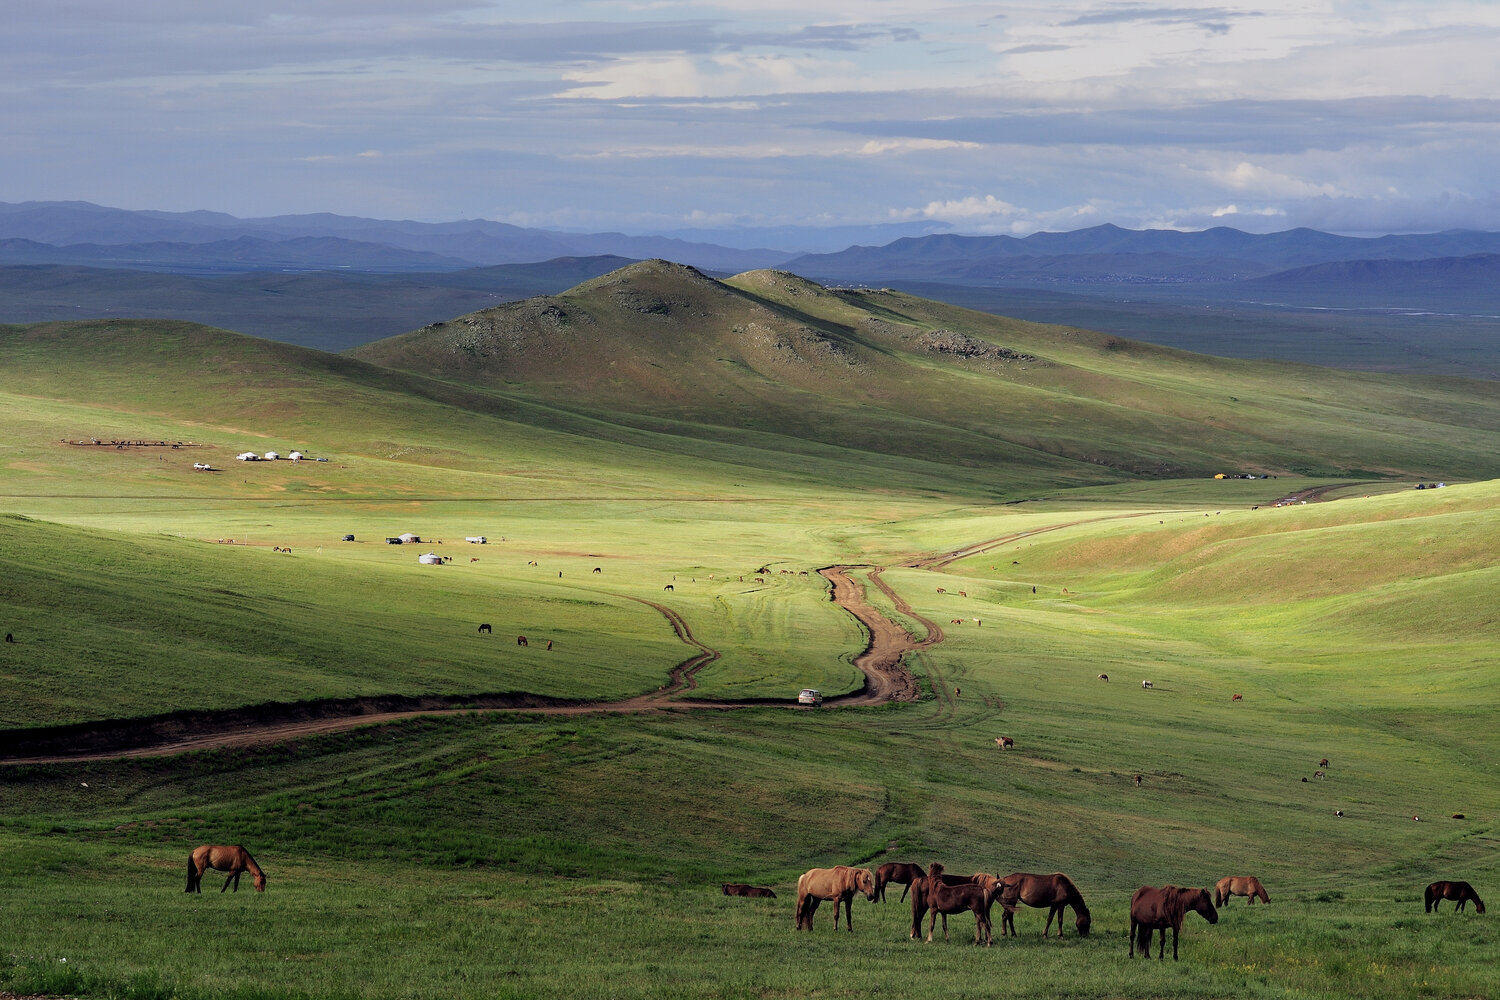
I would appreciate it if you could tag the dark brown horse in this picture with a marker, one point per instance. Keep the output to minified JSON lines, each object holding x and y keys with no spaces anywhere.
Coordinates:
{"x":839,"y":884}
{"x":896,"y":871}
{"x":225,"y":858}
{"x":931,"y":894}
{"x":1153,"y":909}
{"x":1055,"y":891}
{"x":1459,"y":892}
{"x":1240,"y":885}
{"x":751,"y":891}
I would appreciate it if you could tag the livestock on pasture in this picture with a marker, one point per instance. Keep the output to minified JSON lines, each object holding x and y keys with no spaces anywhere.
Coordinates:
{"x":956,"y":621}
{"x":549,"y":645}
{"x":1236,"y":697}
{"x":231,"y":858}
{"x":1138,"y":779}
{"x":598,"y":569}
{"x":896,"y":871}
{"x":1323,"y":762}
{"x":1004,"y":742}
{"x":1459,"y":892}
{"x":485,"y":627}
{"x":838,"y":884}
{"x":1104,"y":678}
{"x":1146,"y":684}
{"x":938,"y":894}
{"x":521,"y":641}
{"x":1156,"y":909}
{"x":669,"y":587}
{"x":1055,"y":891}
{"x":1240,"y":885}
{"x":752,"y":891}
{"x":942,"y":590}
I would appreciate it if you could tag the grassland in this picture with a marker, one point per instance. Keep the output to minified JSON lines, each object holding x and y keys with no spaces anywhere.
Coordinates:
{"x":516,"y":854}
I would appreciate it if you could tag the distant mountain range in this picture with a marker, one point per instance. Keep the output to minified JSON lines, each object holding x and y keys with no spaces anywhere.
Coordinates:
{"x":334,"y":282}
{"x":214,"y":243}
{"x":1110,"y":255}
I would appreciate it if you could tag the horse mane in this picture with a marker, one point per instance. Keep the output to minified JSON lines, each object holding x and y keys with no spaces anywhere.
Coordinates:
{"x":1074,"y":897}
{"x":251,"y":865}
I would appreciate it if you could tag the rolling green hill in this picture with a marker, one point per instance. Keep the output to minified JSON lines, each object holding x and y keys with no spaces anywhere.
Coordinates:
{"x":890,"y":375}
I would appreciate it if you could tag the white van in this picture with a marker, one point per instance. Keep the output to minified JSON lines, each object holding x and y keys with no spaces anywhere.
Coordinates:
{"x":810,"y":696}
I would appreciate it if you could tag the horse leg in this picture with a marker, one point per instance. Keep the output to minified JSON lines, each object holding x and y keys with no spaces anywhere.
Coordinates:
{"x":1174,"y":940}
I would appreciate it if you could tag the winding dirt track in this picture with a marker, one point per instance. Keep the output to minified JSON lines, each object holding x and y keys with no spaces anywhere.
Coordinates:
{"x":886,"y":679}
{"x":882,"y":663}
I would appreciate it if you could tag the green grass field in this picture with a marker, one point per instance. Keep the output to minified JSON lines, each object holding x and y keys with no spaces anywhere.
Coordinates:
{"x":529,"y":855}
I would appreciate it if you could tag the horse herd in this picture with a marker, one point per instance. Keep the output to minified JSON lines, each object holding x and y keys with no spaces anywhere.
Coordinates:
{"x":935,"y":893}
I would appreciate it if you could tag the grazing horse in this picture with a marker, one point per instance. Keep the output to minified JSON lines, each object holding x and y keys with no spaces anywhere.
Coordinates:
{"x":485,"y":627}
{"x":521,"y":641}
{"x":232,"y":859}
{"x":839,"y":884}
{"x":669,"y":587}
{"x":896,"y":871}
{"x":751,"y":891}
{"x":1004,"y":742}
{"x":1459,"y":892}
{"x":1236,"y":697}
{"x":1104,"y":678}
{"x":1055,"y":891}
{"x":1153,"y":909}
{"x":936,"y":895}
{"x":1323,"y":762}
{"x":1240,"y":885}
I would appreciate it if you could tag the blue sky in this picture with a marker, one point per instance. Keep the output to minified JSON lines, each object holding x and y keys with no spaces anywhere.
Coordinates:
{"x":1361,"y":116}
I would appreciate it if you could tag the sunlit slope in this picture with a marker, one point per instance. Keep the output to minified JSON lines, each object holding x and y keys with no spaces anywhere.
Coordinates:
{"x":891,"y":374}
{"x":410,"y":433}
{"x":113,"y":625}
{"x":1385,"y":601}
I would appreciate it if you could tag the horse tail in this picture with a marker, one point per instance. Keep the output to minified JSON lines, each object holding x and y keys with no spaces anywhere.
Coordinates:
{"x":1427,"y":899}
{"x":192,"y":870}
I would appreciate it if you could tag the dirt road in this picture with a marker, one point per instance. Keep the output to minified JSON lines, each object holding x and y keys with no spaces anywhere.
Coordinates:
{"x":886,"y":679}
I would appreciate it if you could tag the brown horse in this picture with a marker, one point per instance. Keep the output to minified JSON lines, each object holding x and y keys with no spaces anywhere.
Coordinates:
{"x":1153,"y":909}
{"x":1459,"y":892}
{"x":232,"y":859}
{"x":1240,"y":885}
{"x":750,"y":891}
{"x":896,"y":871}
{"x":839,"y":884}
{"x":1055,"y":891}
{"x":937,"y":893}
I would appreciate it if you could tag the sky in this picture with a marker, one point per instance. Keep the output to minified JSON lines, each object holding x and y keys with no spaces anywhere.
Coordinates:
{"x":1351,"y":116}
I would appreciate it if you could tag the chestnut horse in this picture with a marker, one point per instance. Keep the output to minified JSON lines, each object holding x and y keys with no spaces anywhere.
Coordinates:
{"x":1240,"y":885}
{"x":1459,"y":892}
{"x":221,"y":857}
{"x":1153,"y":909}
{"x":1056,"y":891}
{"x":839,"y":884}
{"x":896,"y":871}
{"x":944,"y":894}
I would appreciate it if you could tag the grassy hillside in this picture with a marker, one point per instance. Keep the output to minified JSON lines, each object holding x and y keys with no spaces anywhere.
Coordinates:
{"x":892,"y":375}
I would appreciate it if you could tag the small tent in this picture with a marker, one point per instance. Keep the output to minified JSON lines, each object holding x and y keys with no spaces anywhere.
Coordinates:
{"x":409,"y":537}
{"x":248,"y":456}
{"x":430,"y":559}
{"x":271,"y":456}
